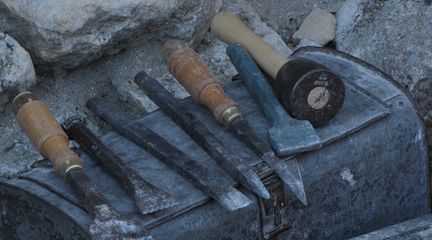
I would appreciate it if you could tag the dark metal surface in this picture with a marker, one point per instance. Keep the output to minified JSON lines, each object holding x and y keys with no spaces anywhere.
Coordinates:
{"x":367,"y":176}
{"x":416,"y":229}
{"x":141,"y":135}
{"x":227,"y":159}
{"x":27,"y":214}
{"x":294,"y":83}
{"x":147,"y":197}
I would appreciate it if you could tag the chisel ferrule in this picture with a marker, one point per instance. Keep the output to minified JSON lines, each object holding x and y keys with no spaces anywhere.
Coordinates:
{"x":230,"y":114}
{"x":70,"y":168}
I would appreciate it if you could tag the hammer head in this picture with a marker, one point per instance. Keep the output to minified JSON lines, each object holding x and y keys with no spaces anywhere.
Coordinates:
{"x":295,"y":136}
{"x":309,"y":91}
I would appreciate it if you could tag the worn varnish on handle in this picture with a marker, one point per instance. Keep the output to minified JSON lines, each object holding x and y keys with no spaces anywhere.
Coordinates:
{"x":45,"y":133}
{"x":191,"y":71}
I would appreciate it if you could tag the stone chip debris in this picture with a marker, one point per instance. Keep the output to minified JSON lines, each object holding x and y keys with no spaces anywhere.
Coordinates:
{"x":319,"y":26}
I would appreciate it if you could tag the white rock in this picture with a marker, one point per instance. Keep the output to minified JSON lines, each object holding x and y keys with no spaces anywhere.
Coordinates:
{"x":16,"y":68}
{"x":319,"y":26}
{"x":286,"y":16}
{"x":69,"y":33}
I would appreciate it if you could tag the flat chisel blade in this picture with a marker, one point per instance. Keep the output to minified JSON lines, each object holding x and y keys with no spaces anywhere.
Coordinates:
{"x":287,"y":135}
{"x":199,"y":132}
{"x":147,"y":197}
{"x":197,"y":174}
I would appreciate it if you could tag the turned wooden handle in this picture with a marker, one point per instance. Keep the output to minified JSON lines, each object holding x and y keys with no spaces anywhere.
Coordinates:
{"x":191,"y":71}
{"x":230,"y":29}
{"x":45,"y":132}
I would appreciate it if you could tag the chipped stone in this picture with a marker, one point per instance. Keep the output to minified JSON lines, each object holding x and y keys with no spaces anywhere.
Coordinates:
{"x":319,"y":26}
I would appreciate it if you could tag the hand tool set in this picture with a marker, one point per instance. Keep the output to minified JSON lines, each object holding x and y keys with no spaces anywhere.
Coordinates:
{"x":290,"y":153}
{"x":203,"y":86}
{"x":50,"y":139}
{"x":141,"y":135}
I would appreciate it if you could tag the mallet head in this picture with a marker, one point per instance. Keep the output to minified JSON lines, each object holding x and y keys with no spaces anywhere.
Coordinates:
{"x":309,"y":91}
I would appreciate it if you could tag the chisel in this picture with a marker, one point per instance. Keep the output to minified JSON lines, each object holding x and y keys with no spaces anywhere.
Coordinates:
{"x":147,"y":197}
{"x":47,"y":135}
{"x":172,"y":107}
{"x":197,"y":174}
{"x":307,"y":89}
{"x":191,"y":71}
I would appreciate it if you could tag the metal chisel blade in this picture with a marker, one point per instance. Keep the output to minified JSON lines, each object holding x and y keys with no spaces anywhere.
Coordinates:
{"x":197,"y":174}
{"x":147,"y":197}
{"x":289,"y":174}
{"x":199,"y":132}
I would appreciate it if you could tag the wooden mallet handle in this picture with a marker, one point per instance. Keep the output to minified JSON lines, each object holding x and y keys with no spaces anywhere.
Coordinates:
{"x":230,"y":29}
{"x":191,"y":71}
{"x":45,"y":132}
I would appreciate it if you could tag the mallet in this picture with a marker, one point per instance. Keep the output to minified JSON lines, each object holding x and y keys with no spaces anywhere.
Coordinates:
{"x":307,"y":90}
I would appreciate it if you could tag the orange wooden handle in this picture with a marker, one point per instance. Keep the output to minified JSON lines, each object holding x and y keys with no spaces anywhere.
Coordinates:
{"x":191,"y":71}
{"x":46,"y":133}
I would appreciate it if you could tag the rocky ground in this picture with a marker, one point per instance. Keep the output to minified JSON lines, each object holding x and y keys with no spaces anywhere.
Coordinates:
{"x":99,"y":52}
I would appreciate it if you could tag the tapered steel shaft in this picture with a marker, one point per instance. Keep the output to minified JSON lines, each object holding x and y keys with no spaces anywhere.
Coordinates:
{"x":147,"y":197}
{"x":171,"y":106}
{"x":197,"y":174}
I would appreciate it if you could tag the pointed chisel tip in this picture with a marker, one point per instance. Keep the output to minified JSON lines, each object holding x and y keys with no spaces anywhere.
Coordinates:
{"x":289,"y":173}
{"x":253,"y":183}
{"x":232,"y":199}
{"x":298,"y":192}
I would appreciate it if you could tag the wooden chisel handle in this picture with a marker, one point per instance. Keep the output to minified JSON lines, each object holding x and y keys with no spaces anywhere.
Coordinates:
{"x":45,"y":132}
{"x":191,"y":71}
{"x":230,"y":29}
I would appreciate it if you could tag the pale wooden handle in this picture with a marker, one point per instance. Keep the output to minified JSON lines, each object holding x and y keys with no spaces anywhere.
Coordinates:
{"x":230,"y":29}
{"x":47,"y":135}
{"x":191,"y":71}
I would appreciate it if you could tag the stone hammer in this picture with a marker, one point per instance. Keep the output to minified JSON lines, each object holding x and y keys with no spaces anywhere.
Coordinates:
{"x":307,"y":90}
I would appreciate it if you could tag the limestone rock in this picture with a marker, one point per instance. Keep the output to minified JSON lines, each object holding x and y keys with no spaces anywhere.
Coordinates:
{"x":69,"y":33}
{"x":16,"y":68}
{"x":319,"y":26}
{"x":285,"y":17}
{"x":395,"y":36}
